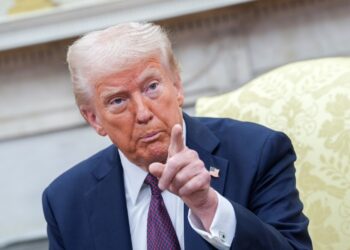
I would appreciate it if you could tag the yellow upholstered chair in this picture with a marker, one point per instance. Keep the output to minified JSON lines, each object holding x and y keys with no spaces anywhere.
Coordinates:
{"x":310,"y":102}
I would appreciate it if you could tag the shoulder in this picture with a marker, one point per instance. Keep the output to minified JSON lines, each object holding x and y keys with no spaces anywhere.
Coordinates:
{"x":79,"y":177}
{"x":225,"y":128}
{"x":247,"y":141}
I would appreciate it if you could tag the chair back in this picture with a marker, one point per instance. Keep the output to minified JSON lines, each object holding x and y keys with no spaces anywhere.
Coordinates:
{"x":310,"y":102}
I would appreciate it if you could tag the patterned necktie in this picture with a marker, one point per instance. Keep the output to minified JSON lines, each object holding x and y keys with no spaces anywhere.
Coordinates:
{"x":160,"y":231}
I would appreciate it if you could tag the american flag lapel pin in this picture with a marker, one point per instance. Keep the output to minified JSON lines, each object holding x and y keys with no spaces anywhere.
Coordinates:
{"x":214,"y":172}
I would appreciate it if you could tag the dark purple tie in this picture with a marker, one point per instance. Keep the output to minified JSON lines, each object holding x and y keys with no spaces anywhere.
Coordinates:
{"x":160,"y":231}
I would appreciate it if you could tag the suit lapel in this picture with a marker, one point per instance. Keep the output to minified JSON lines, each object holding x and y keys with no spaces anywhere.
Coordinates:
{"x":106,"y":205}
{"x":202,"y":140}
{"x":218,"y":183}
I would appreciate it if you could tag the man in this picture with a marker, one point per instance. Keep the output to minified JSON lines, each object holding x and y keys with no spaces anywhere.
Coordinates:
{"x":169,"y":181}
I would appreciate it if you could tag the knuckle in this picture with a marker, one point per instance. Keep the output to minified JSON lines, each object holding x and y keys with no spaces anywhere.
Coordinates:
{"x":183,"y":191}
{"x":195,"y":185}
{"x":173,"y":189}
{"x":193,"y":154}
{"x":186,"y":189}
{"x":199,"y":185}
{"x":181,"y":178}
{"x":200,"y":165}
{"x":206,"y":177}
{"x":172,"y":164}
{"x":170,"y":161}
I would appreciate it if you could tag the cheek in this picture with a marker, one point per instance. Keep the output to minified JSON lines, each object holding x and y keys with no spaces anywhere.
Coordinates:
{"x":120,"y":130}
{"x":122,"y":139}
{"x":167,"y":112}
{"x":171,"y":101}
{"x":174,"y":113}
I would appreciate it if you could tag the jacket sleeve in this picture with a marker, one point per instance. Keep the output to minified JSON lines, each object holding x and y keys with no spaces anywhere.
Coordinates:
{"x":273,"y":218}
{"x":53,"y":233}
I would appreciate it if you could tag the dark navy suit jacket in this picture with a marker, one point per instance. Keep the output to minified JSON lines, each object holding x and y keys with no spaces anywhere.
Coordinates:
{"x":85,"y":208}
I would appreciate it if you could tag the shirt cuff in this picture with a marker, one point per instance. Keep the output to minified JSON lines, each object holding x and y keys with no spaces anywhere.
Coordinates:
{"x":223,"y":227}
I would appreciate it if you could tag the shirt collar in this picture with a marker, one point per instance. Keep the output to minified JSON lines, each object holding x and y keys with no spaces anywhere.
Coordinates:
{"x":134,"y":175}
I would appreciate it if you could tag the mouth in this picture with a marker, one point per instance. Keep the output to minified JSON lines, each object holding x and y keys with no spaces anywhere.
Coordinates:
{"x":150,"y":136}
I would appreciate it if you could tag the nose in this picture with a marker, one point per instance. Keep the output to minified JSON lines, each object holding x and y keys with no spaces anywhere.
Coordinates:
{"x":143,"y":113}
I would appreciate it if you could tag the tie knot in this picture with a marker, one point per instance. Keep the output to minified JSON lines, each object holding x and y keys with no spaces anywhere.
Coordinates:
{"x":152,"y":181}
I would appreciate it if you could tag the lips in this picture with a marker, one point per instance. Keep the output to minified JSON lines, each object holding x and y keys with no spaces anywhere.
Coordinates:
{"x":150,"y":136}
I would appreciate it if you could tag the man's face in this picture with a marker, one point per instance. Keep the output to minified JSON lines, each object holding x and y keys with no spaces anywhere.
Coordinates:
{"x":137,"y":109}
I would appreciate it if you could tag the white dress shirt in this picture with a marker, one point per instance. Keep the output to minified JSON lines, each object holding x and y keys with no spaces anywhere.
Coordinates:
{"x":138,"y":197}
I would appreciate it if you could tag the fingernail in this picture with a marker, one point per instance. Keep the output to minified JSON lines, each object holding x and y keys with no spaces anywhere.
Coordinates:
{"x":160,"y":186}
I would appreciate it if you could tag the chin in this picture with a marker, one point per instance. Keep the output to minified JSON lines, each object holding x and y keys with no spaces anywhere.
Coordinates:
{"x":158,"y":154}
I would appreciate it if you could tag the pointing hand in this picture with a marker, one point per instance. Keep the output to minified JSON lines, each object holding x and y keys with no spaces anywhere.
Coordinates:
{"x":185,"y":175}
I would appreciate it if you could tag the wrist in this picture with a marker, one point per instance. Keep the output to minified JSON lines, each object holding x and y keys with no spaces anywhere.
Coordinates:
{"x":206,"y":210}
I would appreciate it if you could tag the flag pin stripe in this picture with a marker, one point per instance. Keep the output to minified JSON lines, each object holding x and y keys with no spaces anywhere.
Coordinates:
{"x":214,"y":172}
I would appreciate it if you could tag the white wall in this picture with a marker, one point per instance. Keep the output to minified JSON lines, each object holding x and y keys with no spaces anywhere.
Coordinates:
{"x":27,"y":166}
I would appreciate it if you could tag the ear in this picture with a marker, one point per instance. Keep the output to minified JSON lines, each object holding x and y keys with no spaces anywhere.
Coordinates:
{"x":179,"y":89}
{"x":90,"y":116}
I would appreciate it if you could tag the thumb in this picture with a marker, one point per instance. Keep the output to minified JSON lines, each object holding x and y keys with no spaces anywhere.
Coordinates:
{"x":176,"y":141}
{"x":156,"y":169}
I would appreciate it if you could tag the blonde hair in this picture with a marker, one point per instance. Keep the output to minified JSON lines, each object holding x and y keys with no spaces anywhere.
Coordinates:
{"x":101,"y":53}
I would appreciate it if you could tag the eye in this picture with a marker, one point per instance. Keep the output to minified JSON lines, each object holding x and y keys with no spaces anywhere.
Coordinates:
{"x":153,"y":86}
{"x":153,"y":90}
{"x":117,"y":104}
{"x":117,"y":101}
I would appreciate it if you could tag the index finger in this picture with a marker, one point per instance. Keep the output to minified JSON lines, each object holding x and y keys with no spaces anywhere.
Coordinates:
{"x":176,"y":140}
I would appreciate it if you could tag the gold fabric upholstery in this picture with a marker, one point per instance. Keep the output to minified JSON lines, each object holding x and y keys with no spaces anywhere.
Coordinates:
{"x":310,"y":102}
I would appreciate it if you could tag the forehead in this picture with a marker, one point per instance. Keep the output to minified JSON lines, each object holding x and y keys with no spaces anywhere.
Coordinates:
{"x":136,"y":73}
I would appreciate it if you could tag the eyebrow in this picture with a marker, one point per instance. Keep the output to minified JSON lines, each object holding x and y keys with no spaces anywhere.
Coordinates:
{"x":106,"y":94}
{"x":111,"y":91}
{"x":151,"y":72}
